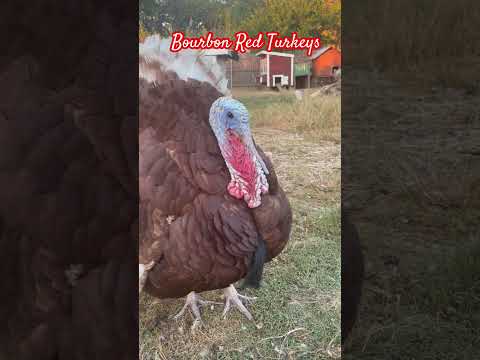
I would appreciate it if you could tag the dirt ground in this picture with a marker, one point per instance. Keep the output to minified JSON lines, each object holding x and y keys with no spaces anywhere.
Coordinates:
{"x":414,"y":196}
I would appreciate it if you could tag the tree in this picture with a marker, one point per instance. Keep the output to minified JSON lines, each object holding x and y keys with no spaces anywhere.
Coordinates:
{"x":191,"y":16}
{"x":234,"y":14}
{"x":317,"y":18}
{"x":152,"y":15}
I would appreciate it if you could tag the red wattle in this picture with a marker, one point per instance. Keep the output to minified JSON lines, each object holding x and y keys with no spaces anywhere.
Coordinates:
{"x":235,"y":190}
{"x":241,"y":160}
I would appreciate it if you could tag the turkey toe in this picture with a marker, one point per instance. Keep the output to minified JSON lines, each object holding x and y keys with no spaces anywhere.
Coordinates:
{"x":194,"y":302}
{"x":232,"y":297}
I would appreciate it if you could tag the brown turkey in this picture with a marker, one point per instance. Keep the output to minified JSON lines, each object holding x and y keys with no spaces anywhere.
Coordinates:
{"x":211,"y":209}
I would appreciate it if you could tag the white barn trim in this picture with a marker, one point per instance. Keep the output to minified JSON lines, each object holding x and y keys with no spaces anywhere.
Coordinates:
{"x":264,"y":52}
{"x":268,"y":69}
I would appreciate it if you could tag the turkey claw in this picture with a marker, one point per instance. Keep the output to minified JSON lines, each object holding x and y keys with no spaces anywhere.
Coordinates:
{"x":194,"y":302}
{"x":232,"y":297}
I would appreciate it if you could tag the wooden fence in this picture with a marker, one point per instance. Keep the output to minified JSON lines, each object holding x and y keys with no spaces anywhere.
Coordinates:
{"x":244,"y":71}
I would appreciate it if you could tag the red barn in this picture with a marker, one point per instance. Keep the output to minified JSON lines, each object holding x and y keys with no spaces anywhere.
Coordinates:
{"x":276,"y":69}
{"x":326,"y":61}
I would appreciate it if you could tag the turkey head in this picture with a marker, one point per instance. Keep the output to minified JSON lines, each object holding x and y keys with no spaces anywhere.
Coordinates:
{"x":229,"y":121}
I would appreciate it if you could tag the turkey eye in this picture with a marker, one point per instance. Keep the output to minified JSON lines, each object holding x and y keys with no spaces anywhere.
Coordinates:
{"x":230,"y":115}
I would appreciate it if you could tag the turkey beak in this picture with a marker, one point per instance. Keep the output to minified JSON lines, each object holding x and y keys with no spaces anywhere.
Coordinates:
{"x":237,"y":134}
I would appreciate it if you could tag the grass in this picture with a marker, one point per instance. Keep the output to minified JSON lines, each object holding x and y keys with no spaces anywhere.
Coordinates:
{"x":413,"y":37}
{"x":316,"y":118}
{"x":428,"y":312}
{"x":297,"y":311}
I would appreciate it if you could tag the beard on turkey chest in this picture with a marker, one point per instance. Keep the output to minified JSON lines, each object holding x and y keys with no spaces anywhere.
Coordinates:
{"x":200,"y":237}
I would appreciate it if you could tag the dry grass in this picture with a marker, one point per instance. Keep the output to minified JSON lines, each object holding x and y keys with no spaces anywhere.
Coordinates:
{"x":297,"y":313}
{"x":316,"y":119}
{"x":414,"y":36}
{"x":422,"y":42}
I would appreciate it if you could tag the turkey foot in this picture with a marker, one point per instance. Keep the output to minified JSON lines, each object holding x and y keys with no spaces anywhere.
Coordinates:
{"x":233,"y":297}
{"x":194,"y":302}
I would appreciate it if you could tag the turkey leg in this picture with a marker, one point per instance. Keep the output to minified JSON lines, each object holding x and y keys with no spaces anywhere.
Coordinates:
{"x":143,"y":275}
{"x":232,"y":297}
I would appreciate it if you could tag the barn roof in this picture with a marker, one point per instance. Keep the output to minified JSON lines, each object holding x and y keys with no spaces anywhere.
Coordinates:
{"x":220,"y":52}
{"x":216,"y":52}
{"x":264,"y":52}
{"x":320,"y":51}
{"x":301,"y":58}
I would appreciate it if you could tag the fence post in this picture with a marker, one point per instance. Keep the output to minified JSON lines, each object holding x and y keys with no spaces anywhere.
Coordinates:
{"x":231,"y":74}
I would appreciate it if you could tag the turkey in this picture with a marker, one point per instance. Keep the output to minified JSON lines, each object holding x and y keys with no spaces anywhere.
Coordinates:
{"x":211,"y":209}
{"x":352,"y":275}
{"x":68,"y":180}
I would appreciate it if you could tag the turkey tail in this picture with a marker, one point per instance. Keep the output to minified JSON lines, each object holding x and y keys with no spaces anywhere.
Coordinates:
{"x":255,"y":271}
{"x":155,"y":58}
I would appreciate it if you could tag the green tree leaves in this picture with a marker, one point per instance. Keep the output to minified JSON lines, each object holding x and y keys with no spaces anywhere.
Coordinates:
{"x":225,"y":17}
{"x":319,"y":18}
